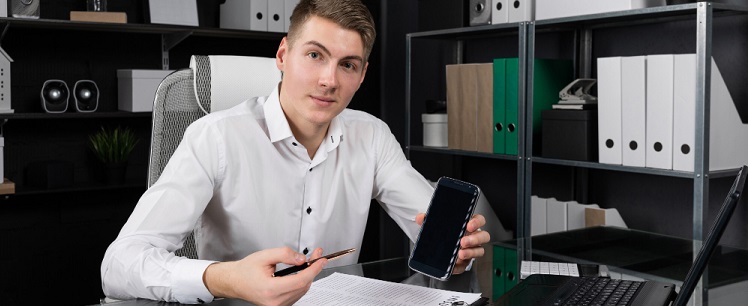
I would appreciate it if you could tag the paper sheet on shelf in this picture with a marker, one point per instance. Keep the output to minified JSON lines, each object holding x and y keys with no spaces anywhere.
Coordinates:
{"x":344,"y":289}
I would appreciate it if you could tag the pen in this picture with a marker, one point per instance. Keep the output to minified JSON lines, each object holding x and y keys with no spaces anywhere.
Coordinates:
{"x":305,"y":265}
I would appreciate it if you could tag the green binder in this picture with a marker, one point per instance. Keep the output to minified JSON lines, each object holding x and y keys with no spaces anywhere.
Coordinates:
{"x":499,"y":106}
{"x":549,"y":78}
{"x":505,"y":270}
{"x":512,"y":106}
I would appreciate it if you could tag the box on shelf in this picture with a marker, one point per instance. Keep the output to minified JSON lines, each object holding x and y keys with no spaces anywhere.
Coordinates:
{"x":137,"y":88}
{"x":548,"y":9}
{"x":111,"y":17}
{"x":570,"y":134}
{"x":434,"y":130}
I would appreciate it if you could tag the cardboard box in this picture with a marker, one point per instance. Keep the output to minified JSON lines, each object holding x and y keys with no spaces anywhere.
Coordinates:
{"x":137,"y":88}
{"x":570,"y":134}
{"x":111,"y":17}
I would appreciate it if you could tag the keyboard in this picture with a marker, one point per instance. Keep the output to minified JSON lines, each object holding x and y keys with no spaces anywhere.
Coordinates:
{"x":598,"y":291}
{"x":542,"y":267}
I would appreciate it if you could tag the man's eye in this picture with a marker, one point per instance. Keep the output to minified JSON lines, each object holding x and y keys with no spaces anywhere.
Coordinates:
{"x":349,"y":66}
{"x":313,"y":55}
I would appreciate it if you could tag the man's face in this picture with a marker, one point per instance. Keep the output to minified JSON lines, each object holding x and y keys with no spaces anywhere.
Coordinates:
{"x":321,"y":72}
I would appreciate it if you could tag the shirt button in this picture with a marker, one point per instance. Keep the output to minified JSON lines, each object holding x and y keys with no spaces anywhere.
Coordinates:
{"x":305,"y":251}
{"x":310,"y":169}
{"x":294,"y":144}
{"x":308,"y":210}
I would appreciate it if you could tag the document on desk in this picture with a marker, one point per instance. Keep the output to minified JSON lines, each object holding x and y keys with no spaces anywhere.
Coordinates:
{"x":345,"y":289}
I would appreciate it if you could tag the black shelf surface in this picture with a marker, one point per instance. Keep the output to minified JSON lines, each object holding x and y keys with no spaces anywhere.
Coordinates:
{"x":483,"y":31}
{"x":78,"y":187}
{"x":74,"y":115}
{"x":462,"y":153}
{"x":55,"y":24}
{"x":639,"y":253}
{"x":652,"y":171}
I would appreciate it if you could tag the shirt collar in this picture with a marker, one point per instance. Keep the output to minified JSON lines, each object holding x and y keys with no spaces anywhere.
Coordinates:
{"x":278,"y":127}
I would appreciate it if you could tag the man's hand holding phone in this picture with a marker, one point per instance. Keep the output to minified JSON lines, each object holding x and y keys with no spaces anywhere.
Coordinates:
{"x":450,"y":234}
{"x":471,"y":244}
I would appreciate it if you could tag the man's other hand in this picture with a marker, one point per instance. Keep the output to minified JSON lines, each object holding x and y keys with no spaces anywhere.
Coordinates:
{"x":471,"y":244}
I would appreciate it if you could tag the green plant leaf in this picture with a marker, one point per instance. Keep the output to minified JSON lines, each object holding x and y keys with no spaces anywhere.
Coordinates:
{"x":113,"y":145}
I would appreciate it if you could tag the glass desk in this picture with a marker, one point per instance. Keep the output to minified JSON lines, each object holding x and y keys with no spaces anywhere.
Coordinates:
{"x":393,"y":270}
{"x":636,"y":254}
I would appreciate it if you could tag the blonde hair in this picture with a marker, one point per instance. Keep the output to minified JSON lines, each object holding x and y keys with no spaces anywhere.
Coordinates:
{"x":348,"y":14}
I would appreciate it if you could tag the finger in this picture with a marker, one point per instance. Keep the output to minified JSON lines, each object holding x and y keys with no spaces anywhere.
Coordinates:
{"x":476,"y":222}
{"x":310,"y":273}
{"x":467,"y":254}
{"x":419,"y":218}
{"x":317,"y":253}
{"x":281,"y":255}
{"x":475,"y":239}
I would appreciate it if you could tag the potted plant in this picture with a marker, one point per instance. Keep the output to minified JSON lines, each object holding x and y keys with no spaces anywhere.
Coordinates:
{"x":113,"y":147}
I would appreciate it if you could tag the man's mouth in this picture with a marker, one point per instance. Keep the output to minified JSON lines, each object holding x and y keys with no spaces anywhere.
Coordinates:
{"x":322,"y":99}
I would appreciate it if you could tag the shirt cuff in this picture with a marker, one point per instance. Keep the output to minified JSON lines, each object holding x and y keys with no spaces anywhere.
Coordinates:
{"x":187,"y":280}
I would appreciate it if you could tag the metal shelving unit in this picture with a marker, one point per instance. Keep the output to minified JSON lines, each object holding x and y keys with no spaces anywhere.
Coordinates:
{"x":702,"y":13}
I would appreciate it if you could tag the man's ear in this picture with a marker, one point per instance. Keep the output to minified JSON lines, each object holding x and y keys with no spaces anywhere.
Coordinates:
{"x":280,"y":55}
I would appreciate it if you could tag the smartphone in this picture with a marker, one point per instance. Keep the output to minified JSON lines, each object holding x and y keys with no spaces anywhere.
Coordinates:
{"x":451,"y":207}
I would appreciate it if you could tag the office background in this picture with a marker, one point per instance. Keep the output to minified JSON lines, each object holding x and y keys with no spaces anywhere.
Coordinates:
{"x":52,"y":239}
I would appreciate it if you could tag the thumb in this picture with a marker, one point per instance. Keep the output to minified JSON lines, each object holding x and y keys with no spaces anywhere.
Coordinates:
{"x":281,"y":255}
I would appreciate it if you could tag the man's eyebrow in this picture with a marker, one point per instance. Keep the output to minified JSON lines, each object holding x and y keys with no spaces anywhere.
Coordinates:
{"x":326,"y":51}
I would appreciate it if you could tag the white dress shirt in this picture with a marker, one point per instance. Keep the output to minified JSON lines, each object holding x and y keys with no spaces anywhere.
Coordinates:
{"x":244,"y":183}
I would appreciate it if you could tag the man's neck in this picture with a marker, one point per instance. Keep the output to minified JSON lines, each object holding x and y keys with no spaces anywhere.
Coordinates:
{"x":310,"y":136}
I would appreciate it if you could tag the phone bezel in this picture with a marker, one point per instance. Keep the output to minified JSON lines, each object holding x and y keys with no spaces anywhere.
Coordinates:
{"x":429,"y":270}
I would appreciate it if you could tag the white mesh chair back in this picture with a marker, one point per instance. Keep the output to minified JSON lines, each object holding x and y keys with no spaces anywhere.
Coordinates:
{"x":226,"y":80}
{"x":213,"y":83}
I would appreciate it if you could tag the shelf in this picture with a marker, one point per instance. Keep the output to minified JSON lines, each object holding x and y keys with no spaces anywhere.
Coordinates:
{"x":594,"y":165}
{"x":639,"y":16}
{"x":484,"y":31}
{"x":157,"y":29}
{"x":74,"y":115}
{"x":81,"y":187}
{"x":462,"y":152}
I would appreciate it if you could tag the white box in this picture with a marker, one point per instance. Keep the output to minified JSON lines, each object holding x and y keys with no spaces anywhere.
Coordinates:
{"x":137,"y":88}
{"x":547,"y":9}
{"x":244,"y":15}
{"x":434,"y":130}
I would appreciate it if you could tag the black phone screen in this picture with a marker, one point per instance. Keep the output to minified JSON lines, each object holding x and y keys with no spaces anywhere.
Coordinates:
{"x":446,"y":219}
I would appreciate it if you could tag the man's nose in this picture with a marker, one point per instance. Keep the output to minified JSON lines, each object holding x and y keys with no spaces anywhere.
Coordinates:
{"x":329,"y":76}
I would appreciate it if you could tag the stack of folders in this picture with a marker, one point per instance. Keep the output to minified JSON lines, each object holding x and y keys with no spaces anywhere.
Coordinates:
{"x":483,"y":102}
{"x":647,"y":114}
{"x":257,"y":15}
{"x":551,"y":216}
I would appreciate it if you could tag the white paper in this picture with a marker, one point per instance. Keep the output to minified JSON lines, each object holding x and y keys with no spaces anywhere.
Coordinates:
{"x":344,"y":289}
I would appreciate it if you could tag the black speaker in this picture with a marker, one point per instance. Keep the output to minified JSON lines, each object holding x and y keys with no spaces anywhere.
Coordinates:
{"x":24,"y":8}
{"x":86,"y":95}
{"x":55,"y":95}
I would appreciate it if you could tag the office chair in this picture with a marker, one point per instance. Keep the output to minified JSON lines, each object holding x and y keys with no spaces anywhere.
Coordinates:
{"x":212,"y":83}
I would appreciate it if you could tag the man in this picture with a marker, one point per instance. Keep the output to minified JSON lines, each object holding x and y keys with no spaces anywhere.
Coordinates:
{"x":273,"y":177}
